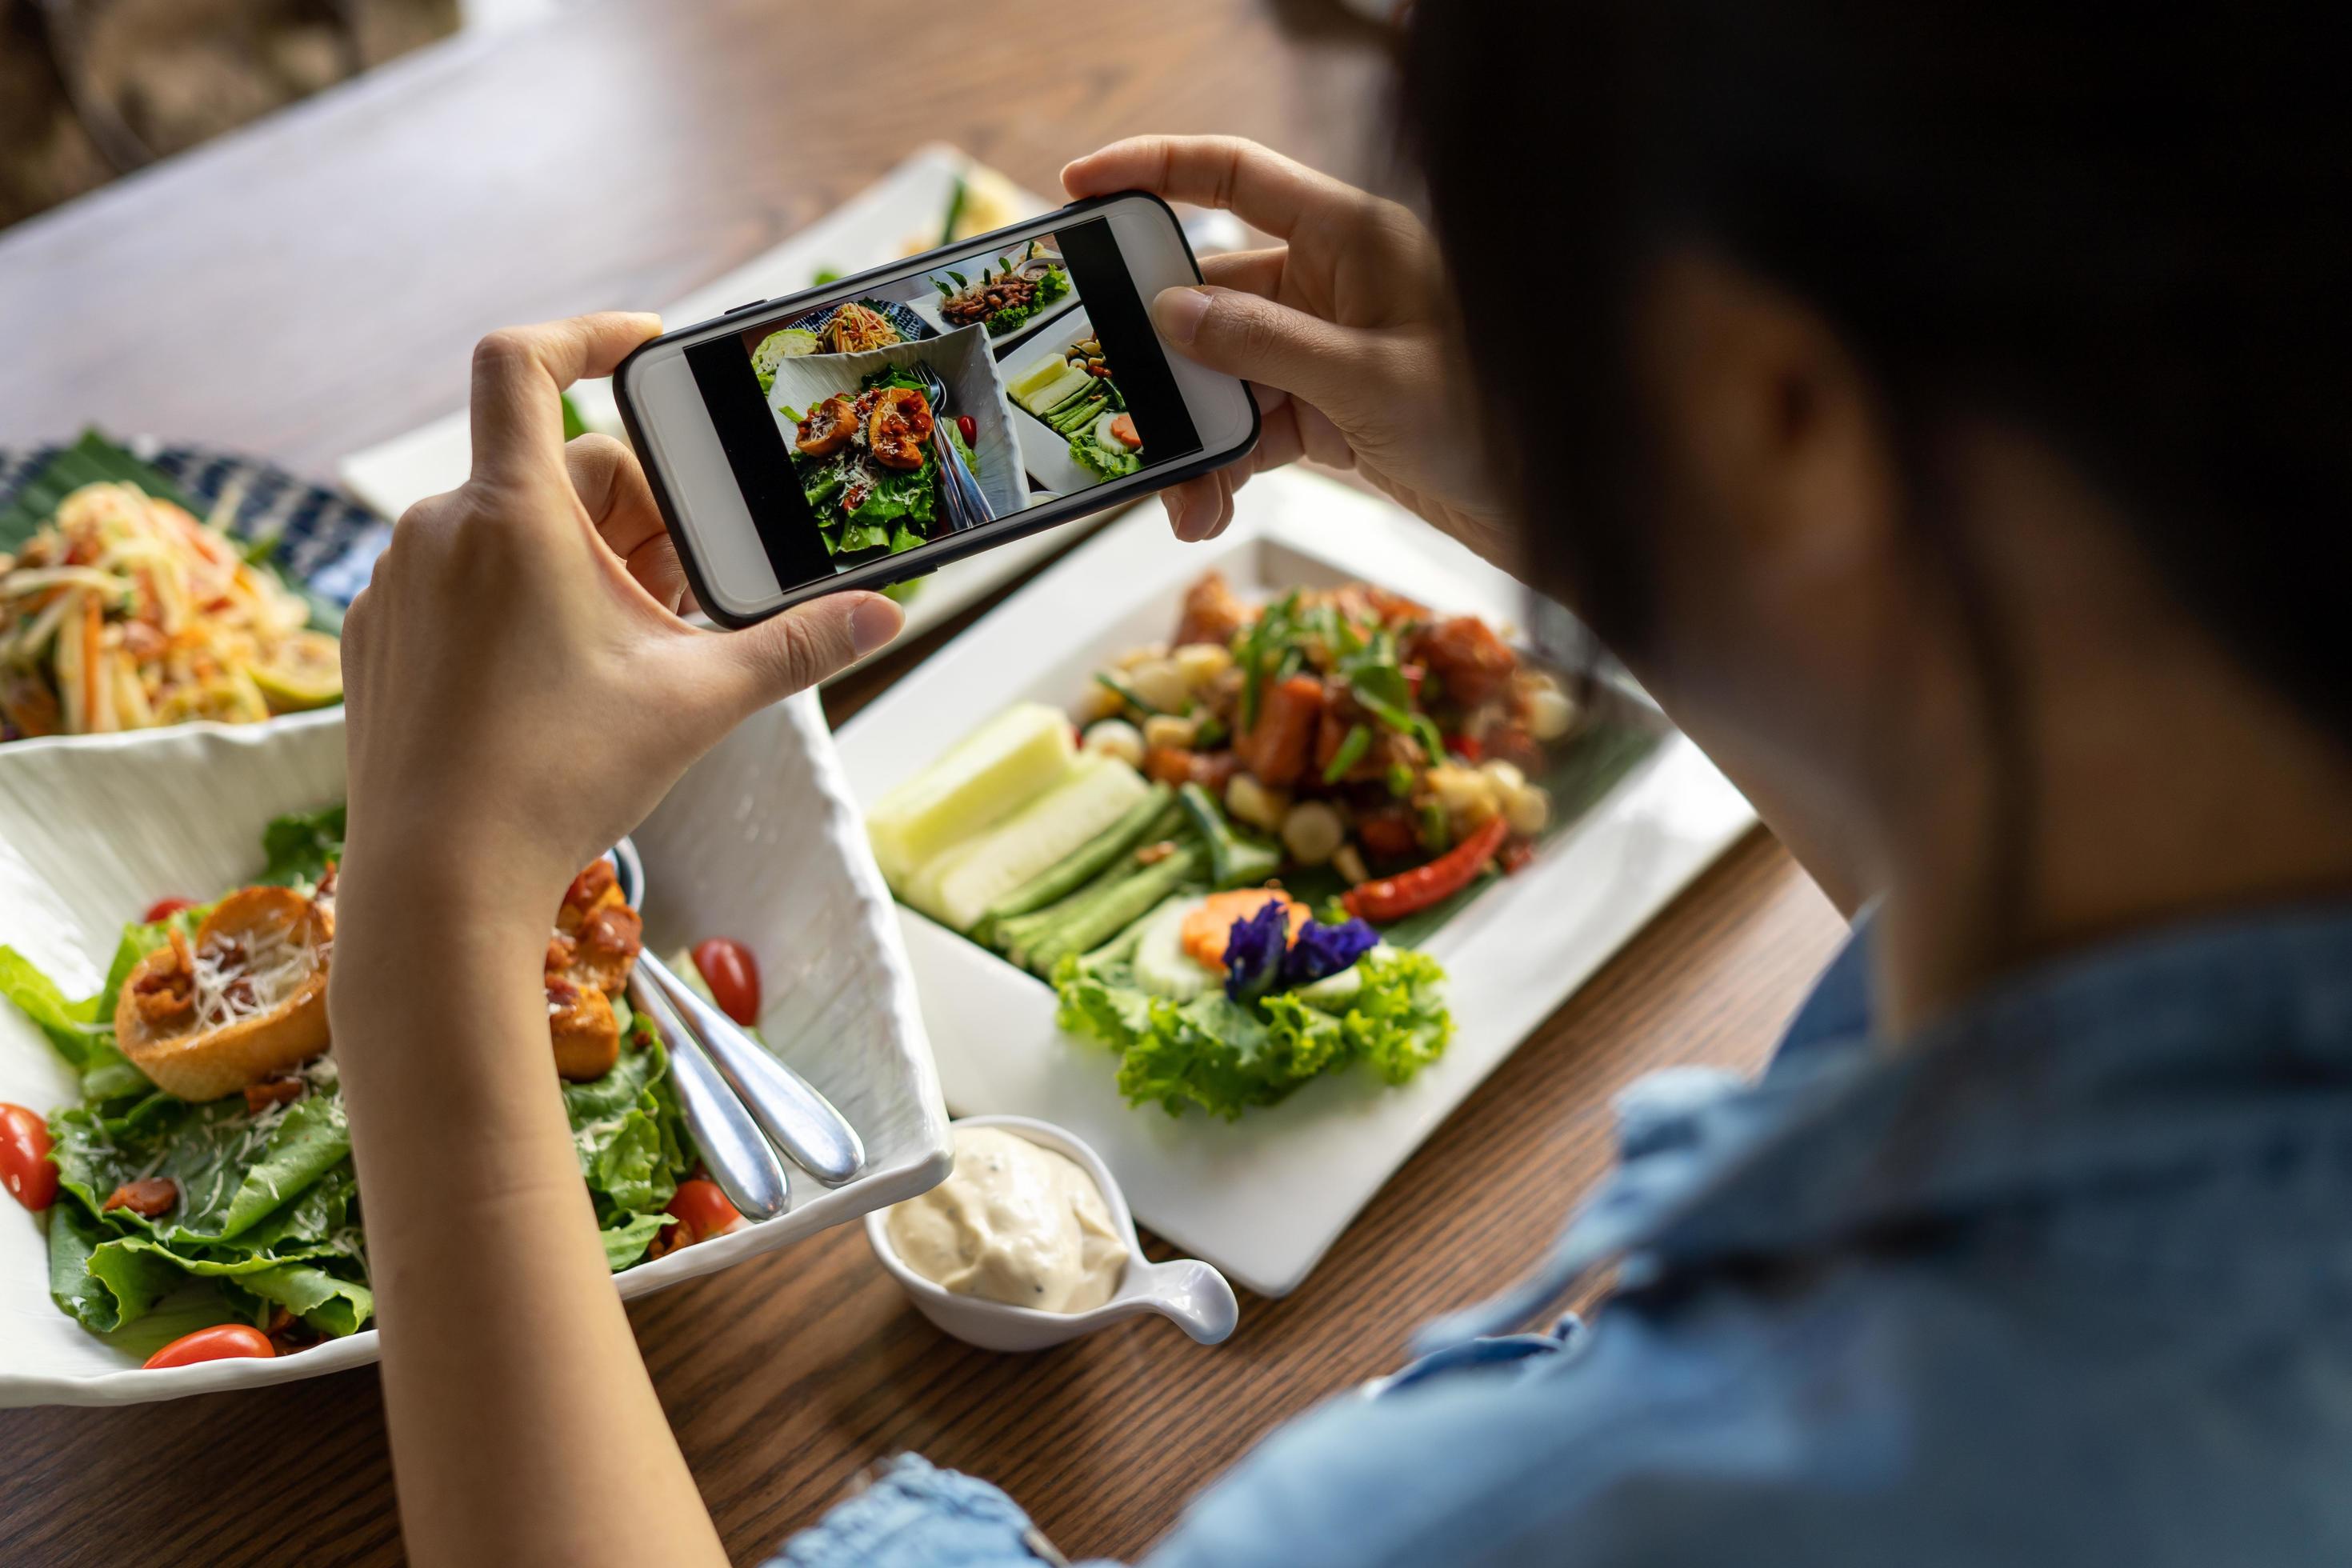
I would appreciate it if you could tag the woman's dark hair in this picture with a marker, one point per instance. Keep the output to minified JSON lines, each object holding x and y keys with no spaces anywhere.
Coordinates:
{"x":2127,"y":229}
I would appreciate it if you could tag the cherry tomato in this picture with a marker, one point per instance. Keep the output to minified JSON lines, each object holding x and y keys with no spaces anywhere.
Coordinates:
{"x":164,"y":909}
{"x":733,"y":977}
{"x":222,"y":1341}
{"x":970,"y":431}
{"x":702,"y":1212}
{"x":24,"y":1166}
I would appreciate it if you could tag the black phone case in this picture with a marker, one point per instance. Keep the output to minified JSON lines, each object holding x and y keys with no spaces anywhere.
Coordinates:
{"x":880,"y":574}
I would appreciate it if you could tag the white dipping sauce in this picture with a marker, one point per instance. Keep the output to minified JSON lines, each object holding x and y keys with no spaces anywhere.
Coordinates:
{"x":1015,"y":1223}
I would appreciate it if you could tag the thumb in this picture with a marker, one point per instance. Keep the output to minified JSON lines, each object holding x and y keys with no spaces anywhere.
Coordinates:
{"x":1251,"y":337}
{"x":804,"y":644}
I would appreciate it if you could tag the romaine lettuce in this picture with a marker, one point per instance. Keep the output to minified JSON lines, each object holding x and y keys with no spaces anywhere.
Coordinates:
{"x":268,"y":1215}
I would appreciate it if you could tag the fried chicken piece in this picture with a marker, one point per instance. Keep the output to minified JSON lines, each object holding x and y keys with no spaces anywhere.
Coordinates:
{"x":1211,"y":612}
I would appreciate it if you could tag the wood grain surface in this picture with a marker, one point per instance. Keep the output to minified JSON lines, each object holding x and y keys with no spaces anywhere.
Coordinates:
{"x":313,"y":286}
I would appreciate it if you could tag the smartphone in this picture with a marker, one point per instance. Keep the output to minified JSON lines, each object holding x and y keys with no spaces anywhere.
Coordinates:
{"x":871,"y":430}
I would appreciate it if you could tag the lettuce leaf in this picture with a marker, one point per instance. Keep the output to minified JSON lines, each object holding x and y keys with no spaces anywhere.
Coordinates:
{"x":629,"y":1134}
{"x":66,"y":1023}
{"x":625,"y":1240}
{"x":100,"y":1300}
{"x":1226,"y":1056}
{"x":300,"y":845}
{"x":1396,"y":1022}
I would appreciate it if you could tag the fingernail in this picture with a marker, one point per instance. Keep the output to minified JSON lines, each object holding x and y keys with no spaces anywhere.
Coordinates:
{"x":873,"y":624}
{"x":1177,"y":313}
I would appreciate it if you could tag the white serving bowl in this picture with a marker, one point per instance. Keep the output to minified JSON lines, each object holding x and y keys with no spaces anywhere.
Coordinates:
{"x":1187,"y":1292}
{"x":758,"y":841}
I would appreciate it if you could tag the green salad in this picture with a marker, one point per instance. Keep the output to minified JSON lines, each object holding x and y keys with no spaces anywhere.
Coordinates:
{"x":855,"y":472}
{"x":260,"y":1222}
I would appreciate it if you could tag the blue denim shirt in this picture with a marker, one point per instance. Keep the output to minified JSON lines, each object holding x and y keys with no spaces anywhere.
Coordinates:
{"x":2065,"y":1280}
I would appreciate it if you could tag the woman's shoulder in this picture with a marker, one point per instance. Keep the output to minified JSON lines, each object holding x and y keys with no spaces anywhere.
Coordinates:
{"x":1874,"y":1411}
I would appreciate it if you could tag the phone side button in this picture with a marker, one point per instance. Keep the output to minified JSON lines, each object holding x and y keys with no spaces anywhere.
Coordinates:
{"x":746,"y":305}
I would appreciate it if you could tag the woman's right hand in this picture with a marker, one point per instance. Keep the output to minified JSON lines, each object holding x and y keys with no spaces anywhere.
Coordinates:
{"x":1342,"y":329}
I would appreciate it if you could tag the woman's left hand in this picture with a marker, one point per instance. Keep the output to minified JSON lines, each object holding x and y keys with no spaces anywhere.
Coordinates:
{"x":519,"y":688}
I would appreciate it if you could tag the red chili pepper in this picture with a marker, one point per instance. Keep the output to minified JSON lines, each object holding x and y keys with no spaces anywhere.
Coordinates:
{"x":164,"y":909}
{"x":1393,"y":898}
{"x":970,"y":430}
{"x":1466,"y":747}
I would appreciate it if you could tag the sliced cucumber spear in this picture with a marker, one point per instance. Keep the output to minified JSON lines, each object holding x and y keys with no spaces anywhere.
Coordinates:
{"x":1107,"y":911}
{"x":1148,"y":821}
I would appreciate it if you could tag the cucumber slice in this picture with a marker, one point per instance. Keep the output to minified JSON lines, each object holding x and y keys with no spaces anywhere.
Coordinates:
{"x":1334,"y":992}
{"x":977,"y":783}
{"x":1162,"y":965}
{"x":1098,"y":791}
{"x":1042,"y":396}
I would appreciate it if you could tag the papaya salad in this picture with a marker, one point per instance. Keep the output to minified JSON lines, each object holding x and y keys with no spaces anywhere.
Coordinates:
{"x":205,"y":1177}
{"x":1225,"y":860}
{"x":123,"y":611}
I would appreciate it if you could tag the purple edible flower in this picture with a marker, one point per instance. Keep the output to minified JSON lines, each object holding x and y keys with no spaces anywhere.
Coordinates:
{"x":1260,"y":957}
{"x":1253,"y":951}
{"x":1323,"y":950}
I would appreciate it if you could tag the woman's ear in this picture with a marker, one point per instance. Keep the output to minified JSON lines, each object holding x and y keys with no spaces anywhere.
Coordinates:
{"x":1772,"y":432}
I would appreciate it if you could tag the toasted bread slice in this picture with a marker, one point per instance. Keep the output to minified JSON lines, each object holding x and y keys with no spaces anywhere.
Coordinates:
{"x":245,"y":1001}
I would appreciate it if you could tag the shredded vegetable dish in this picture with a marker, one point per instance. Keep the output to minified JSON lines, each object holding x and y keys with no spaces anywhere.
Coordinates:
{"x":125,"y":613}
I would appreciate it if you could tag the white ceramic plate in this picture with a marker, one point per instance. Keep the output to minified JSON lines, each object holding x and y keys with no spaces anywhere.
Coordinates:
{"x":896,"y":217}
{"x":1262,"y":1197}
{"x":758,"y":841}
{"x":964,"y":364}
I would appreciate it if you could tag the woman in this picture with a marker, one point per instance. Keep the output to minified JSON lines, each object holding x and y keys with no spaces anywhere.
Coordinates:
{"x":1931,"y":403}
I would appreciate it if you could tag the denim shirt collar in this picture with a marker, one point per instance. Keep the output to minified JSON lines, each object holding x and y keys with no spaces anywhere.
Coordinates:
{"x":2195,"y":1044}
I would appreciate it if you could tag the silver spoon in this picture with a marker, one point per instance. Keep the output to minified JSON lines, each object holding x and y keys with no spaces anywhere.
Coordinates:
{"x":967,"y":497}
{"x":740,"y":1160}
{"x":786,"y":1107}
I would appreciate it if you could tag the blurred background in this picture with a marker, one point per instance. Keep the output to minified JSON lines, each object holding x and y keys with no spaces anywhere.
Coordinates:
{"x":91,"y":90}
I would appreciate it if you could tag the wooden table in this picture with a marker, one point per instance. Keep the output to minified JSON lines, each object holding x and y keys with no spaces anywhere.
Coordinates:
{"x":313,"y":286}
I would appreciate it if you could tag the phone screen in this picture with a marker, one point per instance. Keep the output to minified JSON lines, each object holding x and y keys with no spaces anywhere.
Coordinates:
{"x":1033,"y":369}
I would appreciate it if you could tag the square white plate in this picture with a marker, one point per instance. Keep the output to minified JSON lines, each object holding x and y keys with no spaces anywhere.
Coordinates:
{"x":897,"y":216}
{"x":758,"y":841}
{"x":1262,"y":1197}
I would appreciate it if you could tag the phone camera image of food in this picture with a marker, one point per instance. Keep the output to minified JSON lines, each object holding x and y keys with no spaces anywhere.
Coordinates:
{"x":951,"y":397}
